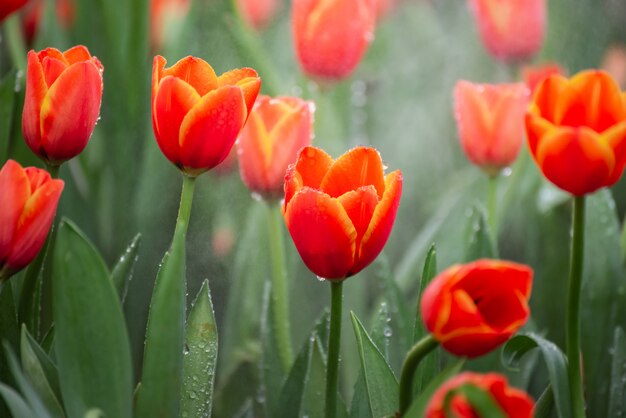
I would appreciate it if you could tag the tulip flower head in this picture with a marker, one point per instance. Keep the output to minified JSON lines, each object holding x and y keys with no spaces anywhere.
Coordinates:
{"x":473,"y":308}
{"x":9,"y":6}
{"x":276,"y":130}
{"x":62,"y":102}
{"x":490,"y":120}
{"x":33,"y":13}
{"x":258,"y":13}
{"x":340,"y":212}
{"x":28,"y":202}
{"x":576,"y":131}
{"x":331,"y":36}
{"x":197,"y":115}
{"x":513,"y":402}
{"x":511,"y":30}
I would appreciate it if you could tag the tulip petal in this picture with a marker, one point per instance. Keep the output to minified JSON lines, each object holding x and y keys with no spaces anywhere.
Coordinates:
{"x":36,"y":90}
{"x":70,"y":111}
{"x":381,"y":222}
{"x":195,"y":71}
{"x":158,"y":64}
{"x":247,"y":79}
{"x":52,"y":53}
{"x":551,"y":98}
{"x":536,"y":128}
{"x":77,"y":54}
{"x":322,"y":232}
{"x":175,"y":98}
{"x":210,"y":129}
{"x":361,"y":166}
{"x":52,"y":69}
{"x":15,"y":190}
{"x":360,"y":205}
{"x":616,"y":138}
{"x":576,"y":160}
{"x":474,"y":121}
{"x":34,"y":224}
{"x":309,"y":170}
{"x":253,"y":149}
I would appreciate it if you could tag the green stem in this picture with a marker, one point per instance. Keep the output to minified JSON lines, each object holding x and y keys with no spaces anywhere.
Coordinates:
{"x":184,"y":211}
{"x":492,"y":203}
{"x":412,"y":360}
{"x":15,"y":41}
{"x":573,"y":307}
{"x":279,"y":286}
{"x":334,"y":341}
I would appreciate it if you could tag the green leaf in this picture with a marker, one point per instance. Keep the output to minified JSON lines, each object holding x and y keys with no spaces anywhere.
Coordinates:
{"x":32,"y":398}
{"x":91,"y":341}
{"x":272,"y":376}
{"x":200,"y":357}
{"x":545,"y":404}
{"x":419,"y":405}
{"x":94,"y":413}
{"x":9,"y":329}
{"x":555,"y":361}
{"x":49,"y":368}
{"x":479,"y":240}
{"x":482,"y":403}
{"x":380,"y":382}
{"x":314,"y":395}
{"x":7,"y":108}
{"x":161,"y":381}
{"x":35,"y":373}
{"x":123,"y":271}
{"x":16,"y":404}
{"x":617,"y":393}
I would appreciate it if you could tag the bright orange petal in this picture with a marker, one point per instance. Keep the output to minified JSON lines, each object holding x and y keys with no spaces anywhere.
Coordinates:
{"x":52,"y":68}
{"x":360,"y":205}
{"x":210,"y":129}
{"x":253,"y":149}
{"x":196,"y":72}
{"x":616,"y":138}
{"x":14,"y":192}
{"x":70,"y":110}
{"x":77,"y":54}
{"x":575,"y":160}
{"x":36,"y":90}
{"x":247,"y":79}
{"x":309,"y":170}
{"x":361,"y":166}
{"x":552,"y":98}
{"x":322,"y":232}
{"x":52,"y":53}
{"x":474,"y":121}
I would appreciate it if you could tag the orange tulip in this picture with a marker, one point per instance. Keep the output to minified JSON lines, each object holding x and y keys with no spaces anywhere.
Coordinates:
{"x":331,"y":36}
{"x":513,"y":402}
{"x":490,"y":120}
{"x":258,"y":13}
{"x":533,"y":75}
{"x":197,"y":115}
{"x":29,"y":199}
{"x":473,"y":308}
{"x":277,"y":129}
{"x":62,"y":102}
{"x":9,"y":6}
{"x":576,"y":131}
{"x":512,"y":30}
{"x":340,"y":212}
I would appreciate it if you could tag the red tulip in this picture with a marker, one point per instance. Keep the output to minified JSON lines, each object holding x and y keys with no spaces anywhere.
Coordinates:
{"x":514,"y":403}
{"x":9,"y":6}
{"x":197,"y":115}
{"x":277,"y":129}
{"x":340,"y":212}
{"x":164,"y":16}
{"x":258,"y":13}
{"x":512,"y":30}
{"x":331,"y":36}
{"x":576,"y":131}
{"x":473,"y":308}
{"x":62,"y":102}
{"x":32,"y":14}
{"x":533,"y":75}
{"x":490,"y":120}
{"x":29,"y":199}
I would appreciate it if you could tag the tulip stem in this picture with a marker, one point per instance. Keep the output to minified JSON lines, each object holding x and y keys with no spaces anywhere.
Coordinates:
{"x":411,"y":362}
{"x":280,"y":306}
{"x":334,"y":341}
{"x":492,"y":203}
{"x":573,"y":307}
{"x":186,"y":198}
{"x":15,"y":41}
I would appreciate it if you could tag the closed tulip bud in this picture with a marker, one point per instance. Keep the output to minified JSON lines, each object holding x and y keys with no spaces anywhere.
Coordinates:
{"x":197,"y":115}
{"x":258,"y":13}
{"x":28,"y":202}
{"x":576,"y":131}
{"x":9,"y":6}
{"x":276,"y":130}
{"x":340,"y":212}
{"x":62,"y":102}
{"x":513,"y":402}
{"x":511,"y":30}
{"x":490,"y":121}
{"x":331,"y":36}
{"x":473,"y":308}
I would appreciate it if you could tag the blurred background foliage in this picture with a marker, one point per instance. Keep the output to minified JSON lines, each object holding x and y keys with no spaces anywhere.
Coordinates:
{"x":399,"y":101}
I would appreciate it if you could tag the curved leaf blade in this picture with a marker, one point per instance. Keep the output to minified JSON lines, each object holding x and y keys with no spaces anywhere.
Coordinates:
{"x":122,"y":273}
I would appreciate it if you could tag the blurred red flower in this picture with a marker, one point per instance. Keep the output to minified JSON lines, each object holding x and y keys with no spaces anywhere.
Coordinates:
{"x":258,"y":13}
{"x":9,"y":6}
{"x":535,"y":74}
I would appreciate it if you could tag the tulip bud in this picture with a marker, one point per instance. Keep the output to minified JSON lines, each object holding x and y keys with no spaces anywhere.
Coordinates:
{"x":29,"y":199}
{"x":340,"y":212}
{"x":331,"y":36}
{"x":258,"y":13}
{"x":62,"y":102}
{"x":277,"y":129}
{"x":197,"y":115}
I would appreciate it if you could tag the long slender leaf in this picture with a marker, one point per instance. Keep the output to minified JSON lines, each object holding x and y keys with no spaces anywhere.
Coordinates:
{"x":17,"y":405}
{"x":479,"y":239}
{"x":161,"y":381}
{"x":545,"y":404}
{"x":617,"y":393}
{"x":483,"y":403}
{"x":380,"y":382}
{"x":123,"y":271}
{"x":30,"y":395}
{"x":272,"y":376}
{"x":200,"y":357}
{"x":555,"y":361}
{"x":91,"y":341}
{"x":419,"y":404}
{"x":49,"y":368}
{"x":314,"y":396}
{"x":7,"y":101}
